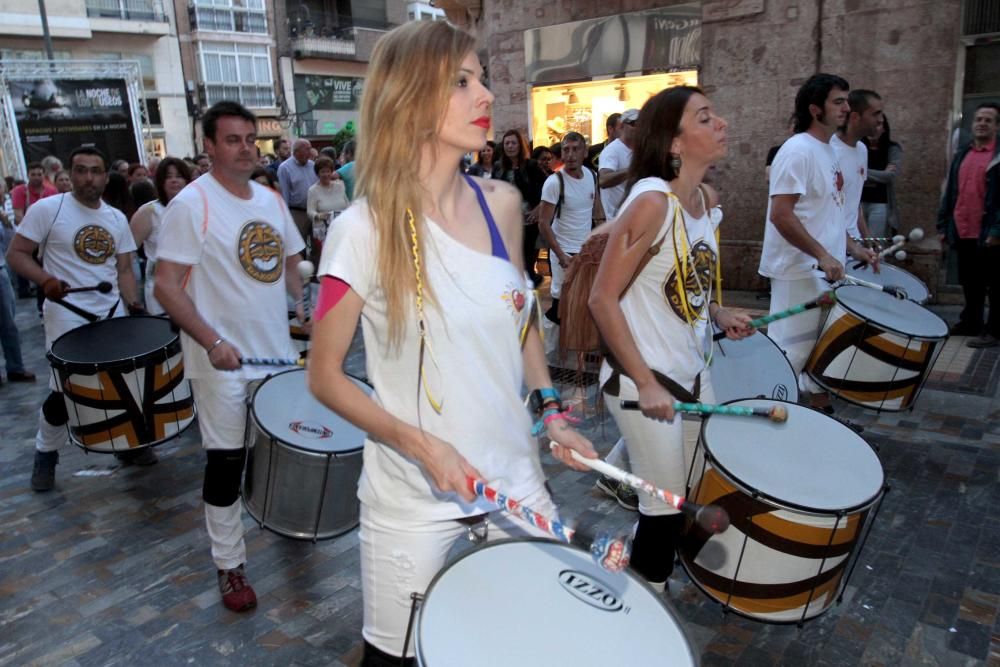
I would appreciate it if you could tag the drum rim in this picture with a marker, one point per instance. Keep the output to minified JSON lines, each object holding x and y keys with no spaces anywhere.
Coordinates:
{"x":172,"y":347}
{"x":252,"y":411}
{"x":858,"y":267}
{"x":657,"y":597}
{"x":785,"y":504}
{"x":865,"y":406}
{"x":887,"y":328}
{"x":784,"y":356}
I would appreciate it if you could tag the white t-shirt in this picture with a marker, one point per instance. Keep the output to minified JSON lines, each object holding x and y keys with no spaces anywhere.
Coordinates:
{"x":481,"y":304}
{"x":854,"y":163}
{"x":807,"y":167}
{"x":79,"y":245}
{"x":237,"y":250}
{"x":575,"y":218}
{"x":667,"y":342}
{"x":615,"y":156}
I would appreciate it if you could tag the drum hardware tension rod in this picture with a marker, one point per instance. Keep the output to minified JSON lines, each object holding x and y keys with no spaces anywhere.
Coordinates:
{"x":776,"y":413}
{"x":712,"y":518}
{"x":306,"y":271}
{"x":825,"y":299}
{"x":611,"y":553}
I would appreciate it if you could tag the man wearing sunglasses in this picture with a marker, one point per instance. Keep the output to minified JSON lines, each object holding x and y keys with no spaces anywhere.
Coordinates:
{"x":615,"y":161}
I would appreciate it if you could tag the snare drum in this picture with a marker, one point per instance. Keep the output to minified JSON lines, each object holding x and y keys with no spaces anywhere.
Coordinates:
{"x":876,"y":350}
{"x":537,"y":602}
{"x":123,"y":383}
{"x":916,"y":289}
{"x":799,"y":497}
{"x":753,"y":367}
{"x":303,"y":461}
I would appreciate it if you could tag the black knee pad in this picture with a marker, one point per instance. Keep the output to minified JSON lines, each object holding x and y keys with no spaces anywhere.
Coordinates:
{"x":655,"y":545}
{"x":54,"y":409}
{"x":374,"y":657}
{"x":222,"y":476}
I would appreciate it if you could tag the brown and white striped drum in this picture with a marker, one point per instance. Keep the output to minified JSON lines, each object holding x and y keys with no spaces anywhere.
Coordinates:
{"x":876,"y":350}
{"x":800,"y":497}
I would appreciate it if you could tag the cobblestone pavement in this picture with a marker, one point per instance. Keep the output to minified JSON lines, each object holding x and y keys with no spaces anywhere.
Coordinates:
{"x":112,"y":567}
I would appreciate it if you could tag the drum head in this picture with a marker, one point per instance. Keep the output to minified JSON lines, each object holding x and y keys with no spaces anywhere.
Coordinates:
{"x":113,"y":340}
{"x":888,"y":274}
{"x":751,"y":368}
{"x":898,"y":315}
{"x":811,"y":462}
{"x":285,"y":409}
{"x":537,"y":602}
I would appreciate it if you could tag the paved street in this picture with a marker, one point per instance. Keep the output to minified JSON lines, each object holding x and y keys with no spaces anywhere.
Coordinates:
{"x":112,"y":568}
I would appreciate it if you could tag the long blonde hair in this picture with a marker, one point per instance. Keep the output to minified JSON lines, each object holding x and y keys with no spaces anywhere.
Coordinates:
{"x":410,"y":80}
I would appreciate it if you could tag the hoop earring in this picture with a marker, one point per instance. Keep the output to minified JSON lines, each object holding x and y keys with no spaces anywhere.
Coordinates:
{"x":675,"y":163}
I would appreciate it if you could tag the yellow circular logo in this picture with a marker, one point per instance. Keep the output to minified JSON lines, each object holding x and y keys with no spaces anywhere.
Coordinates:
{"x":94,"y":245}
{"x":261,"y":251}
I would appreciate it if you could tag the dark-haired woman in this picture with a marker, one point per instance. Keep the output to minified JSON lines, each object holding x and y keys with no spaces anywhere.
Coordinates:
{"x":171,"y":177}
{"x":485,"y":161}
{"x":519,"y":170}
{"x":878,"y":198}
{"x":657,"y":328}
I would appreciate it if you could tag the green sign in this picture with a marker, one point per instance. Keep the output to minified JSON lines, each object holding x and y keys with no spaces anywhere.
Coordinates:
{"x":327,"y":93}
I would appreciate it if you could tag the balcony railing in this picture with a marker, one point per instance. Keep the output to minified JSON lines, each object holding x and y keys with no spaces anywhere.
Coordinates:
{"x":126,"y":10}
{"x":327,"y":34}
{"x":228,"y":19}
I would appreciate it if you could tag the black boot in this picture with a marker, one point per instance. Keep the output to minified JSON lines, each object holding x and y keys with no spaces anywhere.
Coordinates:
{"x":655,"y":546}
{"x":43,"y":476}
{"x":374,"y":657}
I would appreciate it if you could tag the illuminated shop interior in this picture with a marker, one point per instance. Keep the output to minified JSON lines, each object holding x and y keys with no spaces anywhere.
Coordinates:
{"x":585,"y":106}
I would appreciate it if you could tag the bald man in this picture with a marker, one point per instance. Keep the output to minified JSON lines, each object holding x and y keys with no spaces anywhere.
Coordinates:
{"x":296,"y":176}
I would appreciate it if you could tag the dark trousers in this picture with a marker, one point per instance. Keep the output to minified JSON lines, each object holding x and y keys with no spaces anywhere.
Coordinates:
{"x":530,"y":246}
{"x":979,"y":275}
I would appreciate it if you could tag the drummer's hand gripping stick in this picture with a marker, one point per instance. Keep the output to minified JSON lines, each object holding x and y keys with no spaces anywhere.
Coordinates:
{"x":611,"y":553}
{"x":894,"y":290}
{"x":776,"y":413}
{"x":824,"y":299}
{"x":712,"y":518}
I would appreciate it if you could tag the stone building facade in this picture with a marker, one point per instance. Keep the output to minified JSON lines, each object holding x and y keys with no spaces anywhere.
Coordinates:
{"x":754,"y":54}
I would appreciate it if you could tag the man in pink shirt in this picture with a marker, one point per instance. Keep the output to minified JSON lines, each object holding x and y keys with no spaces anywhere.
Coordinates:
{"x":969,"y":219}
{"x":23,"y":196}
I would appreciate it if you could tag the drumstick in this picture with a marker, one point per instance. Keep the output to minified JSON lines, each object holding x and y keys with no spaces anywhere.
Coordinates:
{"x":271,"y":361}
{"x":306,"y":271}
{"x":825,"y":299}
{"x":104,"y":287}
{"x":776,"y":413}
{"x":916,"y":234}
{"x":612,"y":554}
{"x":712,"y":518}
{"x":894,"y":290}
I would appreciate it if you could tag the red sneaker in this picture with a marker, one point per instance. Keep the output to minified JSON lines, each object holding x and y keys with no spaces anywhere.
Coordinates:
{"x":237,"y":594}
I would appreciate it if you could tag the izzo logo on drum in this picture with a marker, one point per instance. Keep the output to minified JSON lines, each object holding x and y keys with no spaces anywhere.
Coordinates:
{"x":591,"y":591}
{"x":310,"y":430}
{"x":780,"y":392}
{"x":93,"y":244}
{"x":261,"y":252}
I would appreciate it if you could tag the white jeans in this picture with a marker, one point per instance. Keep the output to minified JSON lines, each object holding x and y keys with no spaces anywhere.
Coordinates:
{"x":222,"y":412}
{"x":797,"y":335}
{"x":658,"y":452}
{"x":401,"y":556}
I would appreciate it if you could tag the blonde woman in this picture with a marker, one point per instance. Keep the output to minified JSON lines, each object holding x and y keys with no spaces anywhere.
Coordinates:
{"x":427,"y":258}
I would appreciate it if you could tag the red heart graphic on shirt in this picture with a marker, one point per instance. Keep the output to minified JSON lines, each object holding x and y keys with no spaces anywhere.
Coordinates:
{"x":518,"y":299}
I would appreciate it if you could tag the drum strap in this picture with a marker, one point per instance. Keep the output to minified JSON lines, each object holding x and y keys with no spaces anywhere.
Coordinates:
{"x":613,"y":386}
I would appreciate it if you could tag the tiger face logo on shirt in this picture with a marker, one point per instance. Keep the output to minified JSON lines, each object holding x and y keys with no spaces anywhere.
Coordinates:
{"x":94,"y":244}
{"x":697,"y":284}
{"x":261,"y":251}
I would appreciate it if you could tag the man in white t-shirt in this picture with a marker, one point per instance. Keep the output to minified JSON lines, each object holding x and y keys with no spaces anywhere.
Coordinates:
{"x":616,"y":159}
{"x":82,"y":242}
{"x":805,"y":233}
{"x":568,"y":210}
{"x":226,"y":257}
{"x":851,"y":151}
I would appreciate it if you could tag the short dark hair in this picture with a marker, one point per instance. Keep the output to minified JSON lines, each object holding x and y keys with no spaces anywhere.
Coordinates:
{"x":142,"y":192}
{"x":350,"y":147}
{"x":134,"y":166}
{"x":537,"y":153}
{"x":815,"y":91}
{"x":221,"y":109}
{"x":612,"y":121}
{"x":324,"y":163}
{"x":183,"y":170}
{"x":35,"y":165}
{"x":87,"y":150}
{"x":271,"y":180}
{"x":861,"y":99}
{"x":575,"y":137}
{"x":981,"y":105}
{"x":278,"y":143}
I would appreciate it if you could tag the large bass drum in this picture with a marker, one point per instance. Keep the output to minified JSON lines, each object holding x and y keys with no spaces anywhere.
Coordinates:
{"x":754,"y":367}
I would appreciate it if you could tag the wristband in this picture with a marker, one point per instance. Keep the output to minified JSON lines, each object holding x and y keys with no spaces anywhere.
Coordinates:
{"x":217,"y":343}
{"x":539,"y":397}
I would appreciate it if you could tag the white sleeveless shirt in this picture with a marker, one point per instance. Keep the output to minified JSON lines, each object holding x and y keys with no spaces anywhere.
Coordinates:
{"x":667,"y":342}
{"x":473,"y":326}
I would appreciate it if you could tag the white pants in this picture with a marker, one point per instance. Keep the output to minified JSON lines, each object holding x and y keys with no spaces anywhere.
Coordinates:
{"x":658,"y":452}
{"x":400,"y":557}
{"x":222,"y":413}
{"x":558,"y":276}
{"x":797,"y":335}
